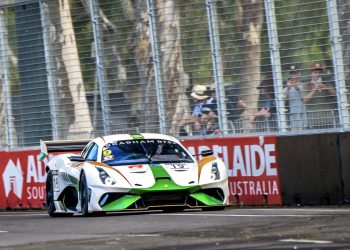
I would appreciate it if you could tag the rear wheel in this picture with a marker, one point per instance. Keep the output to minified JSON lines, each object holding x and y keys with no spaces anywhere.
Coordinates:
{"x":84,"y":195}
{"x":50,"y":205}
{"x":50,"y":200}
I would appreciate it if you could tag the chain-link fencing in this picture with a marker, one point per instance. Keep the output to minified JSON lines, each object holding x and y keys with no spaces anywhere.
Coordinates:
{"x":75,"y":69}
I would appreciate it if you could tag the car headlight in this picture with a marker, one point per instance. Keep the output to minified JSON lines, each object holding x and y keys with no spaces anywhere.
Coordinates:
{"x":215,"y":173}
{"x":105,"y":178}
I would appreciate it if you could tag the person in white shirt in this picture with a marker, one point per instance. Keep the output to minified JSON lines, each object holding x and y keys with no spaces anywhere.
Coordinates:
{"x":292,"y":94}
{"x":319,"y":95}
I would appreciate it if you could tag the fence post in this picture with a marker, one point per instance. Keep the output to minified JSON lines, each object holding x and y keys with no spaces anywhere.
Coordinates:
{"x":276,"y":64}
{"x":48,"y":63}
{"x":338,"y":64}
{"x":217,"y":63}
{"x":101,"y":73}
{"x":156,"y":65}
{"x":6,"y":90}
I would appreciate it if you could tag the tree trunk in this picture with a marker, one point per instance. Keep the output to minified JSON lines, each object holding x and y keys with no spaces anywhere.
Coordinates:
{"x":252,"y":13}
{"x":175,"y":81}
{"x":8,"y":128}
{"x":145,"y":92}
{"x":141,"y":93}
{"x":74,"y":116}
{"x":135,"y":86}
{"x":2,"y":115}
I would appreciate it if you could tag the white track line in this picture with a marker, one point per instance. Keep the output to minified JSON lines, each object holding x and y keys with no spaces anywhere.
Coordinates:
{"x":298,"y":209}
{"x":4,"y":231}
{"x":307,"y":241}
{"x":141,"y":235}
{"x":244,"y":215}
{"x":22,"y":215}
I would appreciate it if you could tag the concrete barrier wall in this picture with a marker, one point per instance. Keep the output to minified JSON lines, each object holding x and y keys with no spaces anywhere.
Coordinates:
{"x":310,"y":168}
{"x":344,"y":143}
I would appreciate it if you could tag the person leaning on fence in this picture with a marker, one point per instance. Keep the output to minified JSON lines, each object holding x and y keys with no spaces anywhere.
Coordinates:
{"x":319,"y":97}
{"x":292,"y":94}
{"x":200,"y":96}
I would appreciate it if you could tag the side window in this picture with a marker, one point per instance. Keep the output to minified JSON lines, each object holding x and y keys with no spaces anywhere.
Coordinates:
{"x":86,"y":149}
{"x":92,"y":153}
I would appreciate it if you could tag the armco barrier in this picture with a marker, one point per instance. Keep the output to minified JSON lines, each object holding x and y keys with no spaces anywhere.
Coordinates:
{"x":251,"y":161}
{"x":309,"y":168}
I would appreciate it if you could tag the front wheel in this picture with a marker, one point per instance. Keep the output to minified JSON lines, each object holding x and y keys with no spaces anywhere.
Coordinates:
{"x":84,"y":195}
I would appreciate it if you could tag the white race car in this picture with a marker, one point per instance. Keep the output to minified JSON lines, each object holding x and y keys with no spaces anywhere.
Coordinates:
{"x":131,"y":172}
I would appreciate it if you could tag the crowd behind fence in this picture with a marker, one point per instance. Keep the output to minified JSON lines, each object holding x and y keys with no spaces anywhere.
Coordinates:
{"x":75,"y":69}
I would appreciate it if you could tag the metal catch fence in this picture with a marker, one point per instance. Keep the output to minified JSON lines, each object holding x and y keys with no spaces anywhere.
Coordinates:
{"x":84,"y":68}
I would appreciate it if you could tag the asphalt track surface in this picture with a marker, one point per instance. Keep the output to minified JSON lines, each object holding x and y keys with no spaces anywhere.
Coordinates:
{"x":233,"y":228}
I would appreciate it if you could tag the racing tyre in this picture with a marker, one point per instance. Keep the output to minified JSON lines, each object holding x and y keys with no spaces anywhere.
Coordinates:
{"x":84,"y":195}
{"x":50,"y":204}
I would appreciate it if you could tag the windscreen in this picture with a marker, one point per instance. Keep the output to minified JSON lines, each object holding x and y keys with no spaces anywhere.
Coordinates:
{"x":144,"y":152}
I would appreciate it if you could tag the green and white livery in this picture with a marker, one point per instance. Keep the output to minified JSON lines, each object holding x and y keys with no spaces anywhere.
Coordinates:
{"x":131,"y":172}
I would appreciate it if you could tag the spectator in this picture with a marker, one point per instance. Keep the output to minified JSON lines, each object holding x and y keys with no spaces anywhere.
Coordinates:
{"x":292,"y":94}
{"x":200,"y":96}
{"x":208,"y":121}
{"x":266,"y":105}
{"x":211,"y":101}
{"x":235,"y":106}
{"x":265,"y":117}
{"x":318,"y":94}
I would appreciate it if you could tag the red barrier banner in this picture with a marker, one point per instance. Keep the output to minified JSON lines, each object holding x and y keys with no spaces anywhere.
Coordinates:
{"x":251,"y":165}
{"x":22,"y":180}
{"x":251,"y":162}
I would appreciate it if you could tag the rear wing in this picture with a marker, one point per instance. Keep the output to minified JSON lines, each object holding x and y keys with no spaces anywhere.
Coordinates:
{"x":47,"y":147}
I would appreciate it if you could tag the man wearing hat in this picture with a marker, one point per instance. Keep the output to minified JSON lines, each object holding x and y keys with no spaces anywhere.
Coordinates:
{"x":200,"y":96}
{"x":319,"y":97}
{"x":292,"y":94}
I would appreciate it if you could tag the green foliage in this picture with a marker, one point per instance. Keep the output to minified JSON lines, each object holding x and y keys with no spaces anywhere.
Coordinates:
{"x":302,"y":29}
{"x":303,"y":33}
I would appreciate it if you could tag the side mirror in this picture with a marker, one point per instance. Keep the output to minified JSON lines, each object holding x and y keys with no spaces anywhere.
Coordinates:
{"x":77,"y":158}
{"x":206,"y":152}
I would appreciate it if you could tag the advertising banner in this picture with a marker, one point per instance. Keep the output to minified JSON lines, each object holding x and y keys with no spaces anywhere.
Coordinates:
{"x":22,"y":180}
{"x":251,"y":166}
